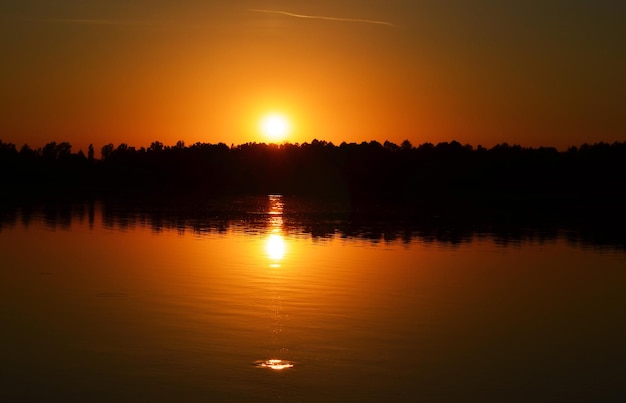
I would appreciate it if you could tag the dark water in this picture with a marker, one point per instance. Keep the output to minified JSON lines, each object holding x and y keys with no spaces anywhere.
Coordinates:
{"x":101,"y":304}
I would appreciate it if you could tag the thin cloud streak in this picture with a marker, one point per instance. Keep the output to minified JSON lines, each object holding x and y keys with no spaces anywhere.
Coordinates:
{"x":321,"y":17}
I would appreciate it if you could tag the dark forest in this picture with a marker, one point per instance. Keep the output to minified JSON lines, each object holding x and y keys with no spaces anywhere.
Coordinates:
{"x":444,"y":174}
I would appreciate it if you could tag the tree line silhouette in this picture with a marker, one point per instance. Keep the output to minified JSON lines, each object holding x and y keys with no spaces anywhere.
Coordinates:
{"x":370,"y":172}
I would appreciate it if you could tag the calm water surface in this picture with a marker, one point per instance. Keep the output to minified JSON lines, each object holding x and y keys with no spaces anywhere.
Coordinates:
{"x":102,"y":308}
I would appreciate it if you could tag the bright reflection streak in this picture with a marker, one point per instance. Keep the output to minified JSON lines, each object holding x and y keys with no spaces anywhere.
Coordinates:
{"x":274,"y":364}
{"x":275,"y":247}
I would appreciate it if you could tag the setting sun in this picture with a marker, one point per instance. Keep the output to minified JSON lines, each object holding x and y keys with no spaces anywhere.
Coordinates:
{"x":275,"y":127}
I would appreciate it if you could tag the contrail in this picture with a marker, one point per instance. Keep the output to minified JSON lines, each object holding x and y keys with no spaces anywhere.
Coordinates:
{"x":321,"y":17}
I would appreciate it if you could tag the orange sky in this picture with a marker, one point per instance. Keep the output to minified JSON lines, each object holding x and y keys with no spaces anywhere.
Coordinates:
{"x":113,"y":71}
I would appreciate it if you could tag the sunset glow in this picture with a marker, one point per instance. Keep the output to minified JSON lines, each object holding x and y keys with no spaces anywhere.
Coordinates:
{"x":335,"y":71}
{"x":327,"y":190}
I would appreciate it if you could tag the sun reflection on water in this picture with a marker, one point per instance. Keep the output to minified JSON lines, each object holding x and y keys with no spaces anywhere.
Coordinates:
{"x":275,"y":245}
{"x":274,"y":364}
{"x":275,"y":249}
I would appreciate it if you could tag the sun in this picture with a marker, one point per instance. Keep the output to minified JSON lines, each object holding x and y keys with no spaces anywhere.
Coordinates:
{"x":275,"y":126}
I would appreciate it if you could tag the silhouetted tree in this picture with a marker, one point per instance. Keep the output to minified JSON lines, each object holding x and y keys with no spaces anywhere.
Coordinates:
{"x":390,"y":146}
{"x":106,"y":151}
{"x":7,"y":149}
{"x":28,"y":153}
{"x":64,"y":150}
{"x":156,"y":146}
{"x":50,"y":151}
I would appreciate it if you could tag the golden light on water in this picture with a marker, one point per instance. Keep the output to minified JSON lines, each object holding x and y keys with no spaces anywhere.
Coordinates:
{"x":275,"y":247}
{"x":274,"y":364}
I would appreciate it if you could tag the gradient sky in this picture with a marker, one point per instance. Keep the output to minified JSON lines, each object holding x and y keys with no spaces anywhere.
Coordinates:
{"x":482,"y":72}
